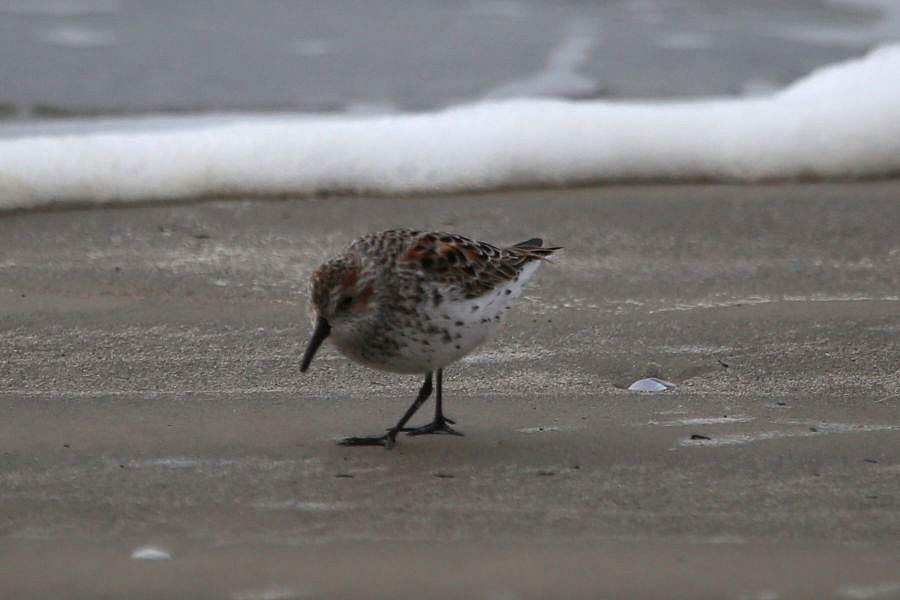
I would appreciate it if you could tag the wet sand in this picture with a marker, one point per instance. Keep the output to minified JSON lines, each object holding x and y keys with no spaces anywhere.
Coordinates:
{"x":150,"y":395}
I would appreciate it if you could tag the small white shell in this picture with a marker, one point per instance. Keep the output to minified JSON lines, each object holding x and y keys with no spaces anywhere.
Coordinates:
{"x":651,"y":384}
{"x":150,"y":553}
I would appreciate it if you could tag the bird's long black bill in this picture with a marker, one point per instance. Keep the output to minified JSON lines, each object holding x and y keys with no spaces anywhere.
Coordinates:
{"x":321,"y":332}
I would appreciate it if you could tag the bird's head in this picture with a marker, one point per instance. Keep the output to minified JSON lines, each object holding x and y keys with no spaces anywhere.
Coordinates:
{"x":340,"y":297}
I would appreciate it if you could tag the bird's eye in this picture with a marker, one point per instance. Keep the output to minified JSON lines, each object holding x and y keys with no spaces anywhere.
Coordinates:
{"x":345,"y":302}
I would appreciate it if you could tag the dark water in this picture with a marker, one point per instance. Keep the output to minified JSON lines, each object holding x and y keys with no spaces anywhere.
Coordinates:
{"x":65,"y":57}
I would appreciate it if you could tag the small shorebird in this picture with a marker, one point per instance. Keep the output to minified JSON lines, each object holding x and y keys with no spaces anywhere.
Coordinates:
{"x":414,"y":302}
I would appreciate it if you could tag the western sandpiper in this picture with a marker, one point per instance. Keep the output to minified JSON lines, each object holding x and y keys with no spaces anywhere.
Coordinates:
{"x":414,"y":302}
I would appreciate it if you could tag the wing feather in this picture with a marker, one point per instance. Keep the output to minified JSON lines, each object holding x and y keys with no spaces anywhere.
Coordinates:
{"x":473,"y":267}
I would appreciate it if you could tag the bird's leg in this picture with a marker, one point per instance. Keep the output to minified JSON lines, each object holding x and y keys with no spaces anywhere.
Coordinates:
{"x":441,"y":424}
{"x":387,"y":440}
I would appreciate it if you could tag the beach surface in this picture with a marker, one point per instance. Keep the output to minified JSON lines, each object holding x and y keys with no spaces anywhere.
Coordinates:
{"x":150,"y":398}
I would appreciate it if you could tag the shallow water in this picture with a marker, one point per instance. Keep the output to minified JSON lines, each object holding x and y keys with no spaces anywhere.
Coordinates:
{"x":89,"y":57}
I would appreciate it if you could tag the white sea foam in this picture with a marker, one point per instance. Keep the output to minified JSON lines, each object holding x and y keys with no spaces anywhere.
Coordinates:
{"x":840,"y":121}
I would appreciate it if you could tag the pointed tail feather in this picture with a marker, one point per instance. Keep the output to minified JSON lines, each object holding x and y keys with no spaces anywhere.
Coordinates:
{"x":534,"y":248}
{"x":532,"y":243}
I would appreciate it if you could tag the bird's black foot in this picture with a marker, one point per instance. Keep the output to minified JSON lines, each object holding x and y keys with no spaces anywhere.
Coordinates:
{"x":440,"y":425}
{"x":387,"y":440}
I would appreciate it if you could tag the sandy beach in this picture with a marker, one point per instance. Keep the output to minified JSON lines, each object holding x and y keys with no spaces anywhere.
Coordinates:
{"x":150,"y":395}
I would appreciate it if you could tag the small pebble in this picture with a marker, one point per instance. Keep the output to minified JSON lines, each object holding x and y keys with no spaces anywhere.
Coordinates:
{"x":697,"y":436}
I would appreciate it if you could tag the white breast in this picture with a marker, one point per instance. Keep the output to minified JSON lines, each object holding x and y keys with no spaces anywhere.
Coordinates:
{"x":464,"y":324}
